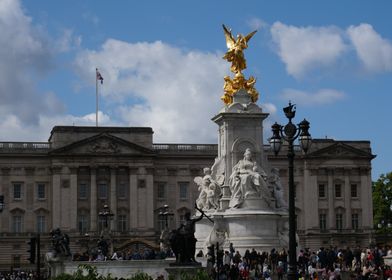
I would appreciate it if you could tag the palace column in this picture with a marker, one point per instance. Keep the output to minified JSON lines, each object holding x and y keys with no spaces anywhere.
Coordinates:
{"x":56,"y":197}
{"x":366,"y":197}
{"x":113,"y":197}
{"x":310,"y":198}
{"x":150,"y":199}
{"x":93,"y":199}
{"x":132,"y":198}
{"x":331,"y":221}
{"x":347,"y":198}
{"x":73,"y":198}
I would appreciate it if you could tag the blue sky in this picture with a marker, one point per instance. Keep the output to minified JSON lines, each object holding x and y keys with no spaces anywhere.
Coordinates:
{"x":162,"y":66}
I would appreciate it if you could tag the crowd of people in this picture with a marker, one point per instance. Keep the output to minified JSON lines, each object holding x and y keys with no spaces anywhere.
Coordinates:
{"x":19,"y":275}
{"x":326,"y":263}
{"x":141,"y":254}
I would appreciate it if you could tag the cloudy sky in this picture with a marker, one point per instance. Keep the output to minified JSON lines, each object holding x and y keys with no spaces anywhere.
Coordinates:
{"x":162,"y":66}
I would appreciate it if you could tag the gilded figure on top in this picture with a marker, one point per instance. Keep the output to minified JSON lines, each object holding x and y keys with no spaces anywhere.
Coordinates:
{"x":236,"y":56}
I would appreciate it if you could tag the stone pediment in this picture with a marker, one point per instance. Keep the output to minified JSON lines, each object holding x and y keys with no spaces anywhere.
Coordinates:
{"x":341,"y":150}
{"x":103,"y":144}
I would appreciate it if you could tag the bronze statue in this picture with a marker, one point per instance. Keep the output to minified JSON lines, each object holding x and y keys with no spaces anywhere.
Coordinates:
{"x":183,"y":241}
{"x":235,"y":55}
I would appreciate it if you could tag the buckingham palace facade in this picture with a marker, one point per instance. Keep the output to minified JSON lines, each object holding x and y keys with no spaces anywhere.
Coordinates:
{"x":64,"y":183}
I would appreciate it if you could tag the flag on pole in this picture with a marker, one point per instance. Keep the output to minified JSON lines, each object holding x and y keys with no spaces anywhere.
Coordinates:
{"x":99,"y":76}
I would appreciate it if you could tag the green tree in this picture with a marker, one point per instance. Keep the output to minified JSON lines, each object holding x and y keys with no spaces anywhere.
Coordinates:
{"x":382,"y":203}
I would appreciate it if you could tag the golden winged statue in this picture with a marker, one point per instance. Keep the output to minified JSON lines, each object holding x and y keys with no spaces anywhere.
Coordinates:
{"x":235,"y":53}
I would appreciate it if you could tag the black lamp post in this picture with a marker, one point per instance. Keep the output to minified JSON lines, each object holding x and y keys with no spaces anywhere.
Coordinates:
{"x":106,"y":214}
{"x":165,"y":213}
{"x":2,"y":205}
{"x":289,"y":133}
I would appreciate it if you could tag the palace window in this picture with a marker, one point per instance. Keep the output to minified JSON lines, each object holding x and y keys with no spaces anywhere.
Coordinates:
{"x":122,"y":223}
{"x":102,"y":191}
{"x":161,"y":222}
{"x":17,"y":223}
{"x":354,"y":190}
{"x":41,"y":191}
{"x":183,"y":190}
{"x":161,"y":192}
{"x":122,"y":190}
{"x":41,"y":225}
{"x":355,"y":221}
{"x":338,"y":190}
{"x":83,"y":223}
{"x":83,"y":191}
{"x":321,"y":191}
{"x":323,"y":221}
{"x":17,"y":188}
{"x":339,"y":222}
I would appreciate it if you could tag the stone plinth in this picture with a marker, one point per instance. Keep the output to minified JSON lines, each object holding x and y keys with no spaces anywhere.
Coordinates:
{"x":245,"y":228}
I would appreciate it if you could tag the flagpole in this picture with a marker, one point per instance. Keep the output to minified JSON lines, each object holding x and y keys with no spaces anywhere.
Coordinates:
{"x":96,"y":97}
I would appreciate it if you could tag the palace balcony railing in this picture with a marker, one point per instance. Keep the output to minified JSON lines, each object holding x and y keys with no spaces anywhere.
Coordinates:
{"x":24,"y":147}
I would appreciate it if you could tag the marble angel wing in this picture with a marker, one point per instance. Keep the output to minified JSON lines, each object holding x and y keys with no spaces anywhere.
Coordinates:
{"x":230,"y":41}
{"x":218,"y":170}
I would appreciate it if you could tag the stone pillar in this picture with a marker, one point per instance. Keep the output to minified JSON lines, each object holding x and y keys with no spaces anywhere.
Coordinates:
{"x":347,"y":198}
{"x":73,"y":198}
{"x":240,"y":127}
{"x":366,"y":197}
{"x":113,"y":197}
{"x":29,"y":200}
{"x":133,"y":198}
{"x":93,"y":199}
{"x":310,"y":199}
{"x":150,"y":199}
{"x":331,"y":212}
{"x":56,"y":197}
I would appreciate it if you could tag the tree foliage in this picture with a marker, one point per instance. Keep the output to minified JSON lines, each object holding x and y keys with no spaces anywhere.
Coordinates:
{"x":382,"y":202}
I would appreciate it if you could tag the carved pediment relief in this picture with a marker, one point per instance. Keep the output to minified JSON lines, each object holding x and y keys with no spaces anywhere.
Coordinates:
{"x":341,"y":150}
{"x":103,"y":144}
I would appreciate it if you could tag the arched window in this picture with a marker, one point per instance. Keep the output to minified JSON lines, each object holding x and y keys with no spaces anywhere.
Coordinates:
{"x":83,"y":220}
{"x":17,"y":220}
{"x":41,"y":215}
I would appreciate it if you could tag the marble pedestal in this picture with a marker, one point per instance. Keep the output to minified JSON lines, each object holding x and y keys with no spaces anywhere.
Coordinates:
{"x":245,"y":228}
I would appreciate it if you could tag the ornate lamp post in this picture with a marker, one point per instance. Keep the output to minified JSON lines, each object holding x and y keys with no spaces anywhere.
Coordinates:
{"x":290,"y":132}
{"x":106,"y":214}
{"x":165,"y":213}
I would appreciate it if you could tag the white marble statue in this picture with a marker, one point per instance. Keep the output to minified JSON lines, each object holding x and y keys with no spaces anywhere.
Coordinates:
{"x":277,"y":188}
{"x":247,"y":180}
{"x":210,"y":191}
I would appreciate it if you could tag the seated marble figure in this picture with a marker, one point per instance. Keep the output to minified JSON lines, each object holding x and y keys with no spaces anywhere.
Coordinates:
{"x":247,"y":180}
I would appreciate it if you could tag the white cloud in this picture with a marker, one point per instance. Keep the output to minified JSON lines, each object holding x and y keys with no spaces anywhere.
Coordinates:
{"x":18,"y":131}
{"x":158,"y":85}
{"x":269,"y":108}
{"x":257,"y":23}
{"x":24,"y":57}
{"x":306,"y":48}
{"x":320,"y":97}
{"x":68,"y":41}
{"x":374,"y":51}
